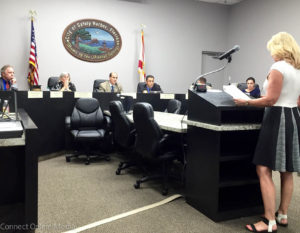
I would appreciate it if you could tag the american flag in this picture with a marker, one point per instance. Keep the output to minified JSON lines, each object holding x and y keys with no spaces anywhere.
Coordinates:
{"x":141,"y":65}
{"x":33,"y":75}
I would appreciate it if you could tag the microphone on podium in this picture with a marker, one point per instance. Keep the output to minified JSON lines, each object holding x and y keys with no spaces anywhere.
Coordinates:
{"x":229,"y":52}
{"x":226,"y":55}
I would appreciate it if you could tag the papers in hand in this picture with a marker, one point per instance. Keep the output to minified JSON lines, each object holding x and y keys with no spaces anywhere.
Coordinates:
{"x":235,"y":92}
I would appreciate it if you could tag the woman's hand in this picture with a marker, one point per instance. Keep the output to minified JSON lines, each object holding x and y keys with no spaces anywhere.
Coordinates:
{"x":241,"y":102}
{"x":66,"y":83}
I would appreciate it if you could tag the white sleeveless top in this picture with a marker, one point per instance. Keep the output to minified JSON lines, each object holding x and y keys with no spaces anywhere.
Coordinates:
{"x":290,"y":86}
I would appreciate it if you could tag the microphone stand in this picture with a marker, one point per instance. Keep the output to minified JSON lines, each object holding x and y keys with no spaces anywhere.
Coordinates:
{"x":211,"y":72}
{"x":16,"y":103}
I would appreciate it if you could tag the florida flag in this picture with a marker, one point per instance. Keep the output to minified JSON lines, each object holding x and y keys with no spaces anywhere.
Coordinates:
{"x":141,"y":66}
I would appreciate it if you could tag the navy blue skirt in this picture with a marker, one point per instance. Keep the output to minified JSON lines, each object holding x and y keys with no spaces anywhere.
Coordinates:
{"x":279,"y":140}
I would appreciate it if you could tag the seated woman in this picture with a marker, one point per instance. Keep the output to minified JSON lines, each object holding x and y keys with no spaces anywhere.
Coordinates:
{"x":64,"y":83}
{"x":251,"y":89}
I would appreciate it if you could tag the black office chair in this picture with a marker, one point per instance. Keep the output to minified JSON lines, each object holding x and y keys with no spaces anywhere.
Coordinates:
{"x":52,"y":82}
{"x":140,"y":86}
{"x":88,"y":128}
{"x":123,"y":134}
{"x":96,"y":84}
{"x":174,"y":106}
{"x":153,"y":146}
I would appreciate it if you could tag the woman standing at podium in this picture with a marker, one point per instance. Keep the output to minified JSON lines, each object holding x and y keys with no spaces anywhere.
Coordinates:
{"x":277,"y":148}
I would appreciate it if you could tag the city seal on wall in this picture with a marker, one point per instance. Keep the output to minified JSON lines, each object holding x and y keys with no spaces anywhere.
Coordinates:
{"x":92,"y":40}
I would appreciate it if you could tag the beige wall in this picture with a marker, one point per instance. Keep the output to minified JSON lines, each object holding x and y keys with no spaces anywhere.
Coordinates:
{"x":177,"y":32}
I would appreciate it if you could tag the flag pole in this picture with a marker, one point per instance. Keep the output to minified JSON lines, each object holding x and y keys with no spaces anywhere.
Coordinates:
{"x":33,"y":77}
{"x":141,"y":63}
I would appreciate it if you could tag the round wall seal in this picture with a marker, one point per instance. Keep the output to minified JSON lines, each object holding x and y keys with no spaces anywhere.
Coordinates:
{"x":92,"y":40}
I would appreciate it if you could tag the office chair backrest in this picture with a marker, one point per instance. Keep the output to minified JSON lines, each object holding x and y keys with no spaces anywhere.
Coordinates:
{"x":140,"y":86}
{"x":243,"y":86}
{"x":97,"y":83}
{"x":174,"y":106}
{"x":122,"y":127}
{"x":148,"y":132}
{"x":87,"y":114}
{"x":52,"y":82}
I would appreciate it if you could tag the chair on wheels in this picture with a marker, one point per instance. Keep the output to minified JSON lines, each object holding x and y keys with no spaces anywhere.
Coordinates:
{"x":123,"y":134}
{"x":174,"y":106}
{"x":52,"y":82}
{"x":88,"y":128}
{"x":153,"y":146}
{"x":96,"y":84}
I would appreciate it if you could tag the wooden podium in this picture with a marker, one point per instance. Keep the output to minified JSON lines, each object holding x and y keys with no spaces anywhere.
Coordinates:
{"x":221,"y":180}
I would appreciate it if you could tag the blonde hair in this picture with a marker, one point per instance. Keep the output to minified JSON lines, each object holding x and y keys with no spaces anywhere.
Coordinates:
{"x":283,"y":46}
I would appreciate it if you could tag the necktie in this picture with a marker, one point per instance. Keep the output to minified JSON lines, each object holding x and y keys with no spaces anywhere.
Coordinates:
{"x":112,"y":88}
{"x":7,"y":85}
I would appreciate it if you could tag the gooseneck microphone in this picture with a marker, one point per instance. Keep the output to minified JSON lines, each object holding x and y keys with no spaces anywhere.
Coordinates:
{"x":229,"y":52}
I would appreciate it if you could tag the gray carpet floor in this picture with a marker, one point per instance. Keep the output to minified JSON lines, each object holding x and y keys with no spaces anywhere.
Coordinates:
{"x":72,"y":195}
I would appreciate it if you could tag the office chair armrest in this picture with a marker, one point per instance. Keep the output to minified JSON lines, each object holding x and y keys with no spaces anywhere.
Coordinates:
{"x":133,"y":131}
{"x":169,"y":142}
{"x":68,"y":122}
{"x":108,"y":122}
{"x":164,"y":143}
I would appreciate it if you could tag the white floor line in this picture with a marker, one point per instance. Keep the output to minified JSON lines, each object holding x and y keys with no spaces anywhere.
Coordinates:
{"x":123,"y":215}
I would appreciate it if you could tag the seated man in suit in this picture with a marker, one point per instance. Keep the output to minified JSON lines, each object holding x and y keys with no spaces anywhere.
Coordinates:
{"x":251,"y":89}
{"x":149,"y":86}
{"x":111,"y":85}
{"x":7,"y":78}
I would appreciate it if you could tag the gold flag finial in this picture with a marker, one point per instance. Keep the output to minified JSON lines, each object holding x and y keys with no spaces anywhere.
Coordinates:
{"x":32,"y":14}
{"x":143,"y":26}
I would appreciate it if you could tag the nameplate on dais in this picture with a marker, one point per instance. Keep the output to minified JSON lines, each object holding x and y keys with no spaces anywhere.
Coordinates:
{"x":83,"y":94}
{"x":56,"y":94}
{"x":167,"y":96}
{"x":35,"y":94}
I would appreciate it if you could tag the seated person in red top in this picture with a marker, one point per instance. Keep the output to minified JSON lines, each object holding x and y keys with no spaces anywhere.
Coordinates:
{"x":7,"y":78}
{"x":149,"y":86}
{"x":251,"y":89}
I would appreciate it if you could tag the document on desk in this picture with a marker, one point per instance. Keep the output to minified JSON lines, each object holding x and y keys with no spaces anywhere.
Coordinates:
{"x":235,"y":92}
